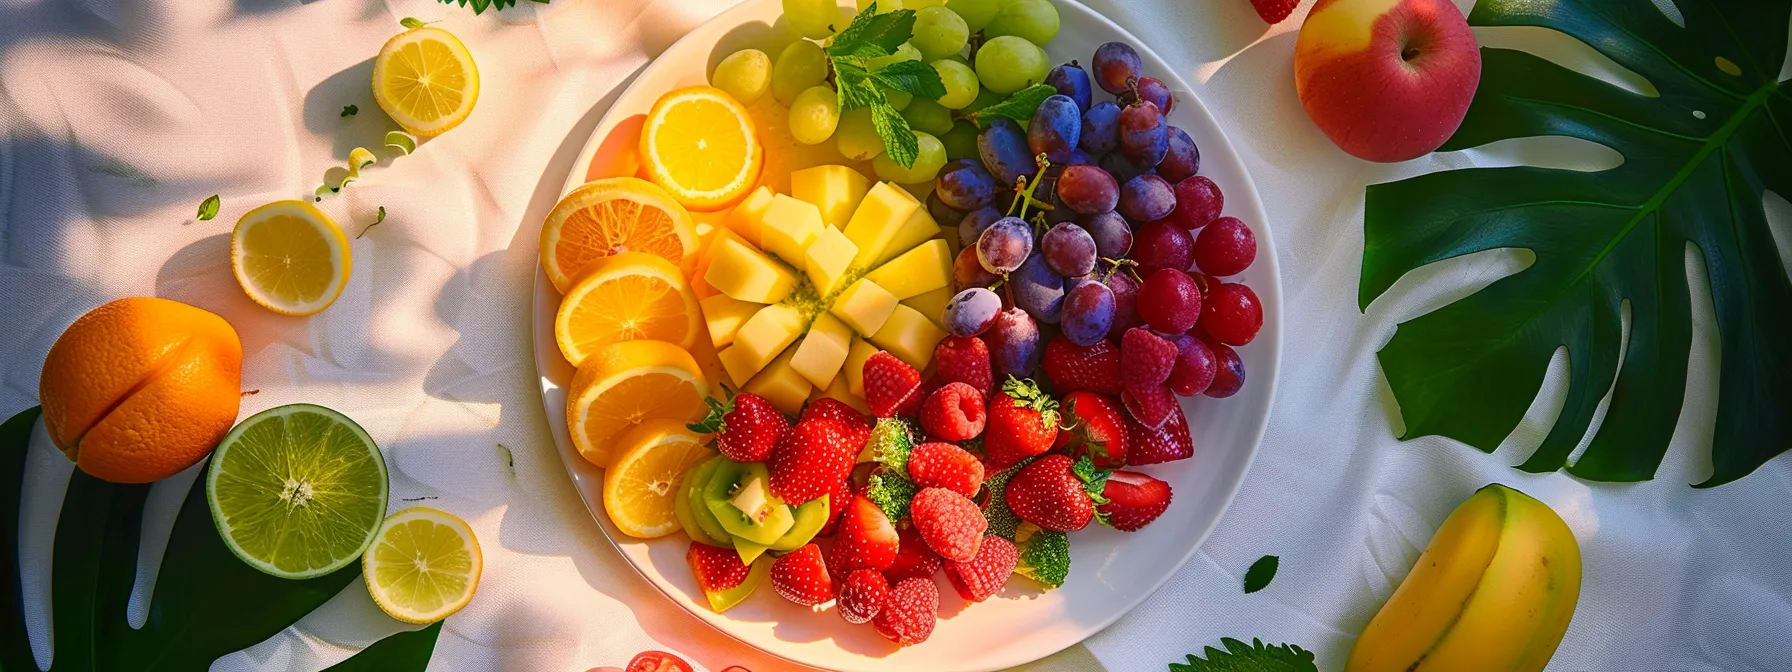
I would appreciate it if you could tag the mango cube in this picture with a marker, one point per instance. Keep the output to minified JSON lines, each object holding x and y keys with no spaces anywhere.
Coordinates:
{"x":919,"y":227}
{"x":839,"y":391}
{"x":864,"y":306}
{"x":822,"y":352}
{"x":856,"y":354}
{"x":910,"y":336}
{"x":767,"y":333}
{"x":835,"y":190}
{"x":880,"y":217}
{"x":828,"y":258}
{"x":724,"y":315}
{"x":735,"y":361}
{"x":790,"y":226}
{"x":932,"y":304}
{"x":741,"y":272}
{"x":746,"y":218}
{"x":918,"y":271}
{"x":781,"y":385}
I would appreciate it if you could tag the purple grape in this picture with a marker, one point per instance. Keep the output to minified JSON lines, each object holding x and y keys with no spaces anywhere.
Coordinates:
{"x":972,"y":311}
{"x":1182,"y":159}
{"x":1072,"y":282}
{"x":1113,"y":238}
{"x":1068,"y":250}
{"x":1101,"y":128}
{"x":1088,"y":190}
{"x":1003,"y":148}
{"x":965,"y":185}
{"x":1078,"y":157}
{"x":1116,"y":67}
{"x":1013,"y":343}
{"x":1005,"y":245}
{"x":1154,"y":91}
{"x":1121,"y":168}
{"x":1126,"y":301}
{"x":1228,"y":377}
{"x":1144,"y":135}
{"x":944,"y":215}
{"x":1147,"y":198}
{"x":1071,"y":80}
{"x":974,"y":223}
{"x":1088,"y":313}
{"x":967,"y":272}
{"x":1055,"y":129}
{"x":1037,"y":290}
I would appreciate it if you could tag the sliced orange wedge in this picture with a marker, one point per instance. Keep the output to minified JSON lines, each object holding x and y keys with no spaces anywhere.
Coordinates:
{"x":628,"y":297}
{"x":611,"y":216}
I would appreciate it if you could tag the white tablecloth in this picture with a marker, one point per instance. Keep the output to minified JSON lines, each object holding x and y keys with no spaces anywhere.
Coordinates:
{"x":117,"y":117}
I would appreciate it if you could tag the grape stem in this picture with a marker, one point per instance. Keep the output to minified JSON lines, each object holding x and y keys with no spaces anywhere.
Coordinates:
{"x":1025,"y":189}
{"x":1128,"y":264}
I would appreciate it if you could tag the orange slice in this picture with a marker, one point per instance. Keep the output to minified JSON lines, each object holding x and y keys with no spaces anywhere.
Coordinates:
{"x":700,"y":145}
{"x":612,"y":216}
{"x":626,"y":384}
{"x":641,"y":485}
{"x":628,"y":297}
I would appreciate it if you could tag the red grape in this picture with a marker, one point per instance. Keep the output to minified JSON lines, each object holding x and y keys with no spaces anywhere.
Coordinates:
{"x":1231,"y":314}
{"x":1198,"y":201}
{"x":1088,"y":190}
{"x":1225,"y":247}
{"x":1228,"y":374}
{"x":1195,"y":367}
{"x":1169,"y":301}
{"x":1161,"y":244}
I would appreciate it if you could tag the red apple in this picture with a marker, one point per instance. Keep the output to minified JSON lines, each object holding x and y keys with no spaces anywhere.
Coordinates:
{"x":1387,"y":80}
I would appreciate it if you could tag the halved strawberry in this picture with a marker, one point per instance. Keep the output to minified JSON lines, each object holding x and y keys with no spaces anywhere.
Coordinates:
{"x":865,"y":539}
{"x":1134,"y":500}
{"x":802,"y":577}
{"x":1093,"y":427}
{"x":717,"y":569}
{"x":1169,"y":442}
{"x":1073,"y":367}
{"x":890,"y":384}
{"x":913,"y":558}
{"x":984,"y":575}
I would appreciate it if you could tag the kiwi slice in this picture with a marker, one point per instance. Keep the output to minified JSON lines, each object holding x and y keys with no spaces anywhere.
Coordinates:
{"x":808,"y":521}
{"x":748,"y":550}
{"x":693,"y":514}
{"x":740,"y":497}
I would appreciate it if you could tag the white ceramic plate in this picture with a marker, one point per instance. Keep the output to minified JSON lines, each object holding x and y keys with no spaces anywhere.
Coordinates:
{"x":1111,"y":571}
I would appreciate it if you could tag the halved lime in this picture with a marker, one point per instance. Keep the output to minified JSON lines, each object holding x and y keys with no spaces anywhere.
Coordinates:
{"x":297,"y":491}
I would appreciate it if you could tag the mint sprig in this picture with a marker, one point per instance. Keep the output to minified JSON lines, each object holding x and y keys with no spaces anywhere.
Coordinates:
{"x":1253,"y":657}
{"x":1018,"y":106}
{"x":859,"y":83}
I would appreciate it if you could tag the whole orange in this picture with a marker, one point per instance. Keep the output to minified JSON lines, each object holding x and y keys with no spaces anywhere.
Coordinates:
{"x":140,"y":388}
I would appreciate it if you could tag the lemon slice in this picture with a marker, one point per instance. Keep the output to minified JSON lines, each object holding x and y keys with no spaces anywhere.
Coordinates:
{"x":700,"y":145}
{"x":424,"y":565}
{"x":641,"y":486}
{"x":627,"y":297}
{"x":290,"y":257}
{"x":625,"y":384}
{"x":426,"y":81}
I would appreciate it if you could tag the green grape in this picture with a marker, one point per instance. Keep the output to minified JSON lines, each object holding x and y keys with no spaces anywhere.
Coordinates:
{"x":938,"y":33}
{"x":897,"y":99}
{"x":976,"y":13}
{"x":961,"y":83}
{"x":961,"y":141}
{"x":928,"y":117}
{"x":1009,"y":63}
{"x":919,"y":5}
{"x":802,"y":65}
{"x":928,"y":161}
{"x":906,"y":52}
{"x":814,"y":115}
{"x":857,"y":137}
{"x":811,"y":18}
{"x":744,"y":74}
{"x":1035,"y":21}
{"x":985,"y":98}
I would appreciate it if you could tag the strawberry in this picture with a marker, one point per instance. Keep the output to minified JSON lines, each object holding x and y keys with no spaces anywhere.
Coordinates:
{"x":964,"y":360}
{"x":1273,"y":11}
{"x":746,"y":426}
{"x":864,"y":593}
{"x":1022,"y":422}
{"x":913,"y":559}
{"x":802,"y":577}
{"x":909,"y":616}
{"x":717,"y":569}
{"x":1151,"y":406}
{"x":943,"y":465}
{"x":810,"y":459}
{"x":1134,"y":500}
{"x":985,"y":574}
{"x":828,"y":407}
{"x":1169,"y":442}
{"x":656,"y":661}
{"x":865,"y":539}
{"x":837,"y":501}
{"x":1146,"y":360}
{"x":890,"y":384}
{"x":953,"y":412}
{"x":1073,"y":367}
{"x":949,"y":522}
{"x":1056,"y":493}
{"x":1092,"y":426}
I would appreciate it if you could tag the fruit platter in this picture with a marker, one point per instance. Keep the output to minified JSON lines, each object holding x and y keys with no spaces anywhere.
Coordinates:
{"x":933,"y":336}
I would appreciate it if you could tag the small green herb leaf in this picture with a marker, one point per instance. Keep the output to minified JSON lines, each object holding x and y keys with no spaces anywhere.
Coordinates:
{"x":914,"y":77}
{"x":1253,"y":657}
{"x":899,"y":140}
{"x":376,"y":222}
{"x":209,"y":208}
{"x":855,"y":87}
{"x":412,"y":23}
{"x":350,"y":110}
{"x":886,"y":31}
{"x":1261,"y":573}
{"x":1018,"y":106}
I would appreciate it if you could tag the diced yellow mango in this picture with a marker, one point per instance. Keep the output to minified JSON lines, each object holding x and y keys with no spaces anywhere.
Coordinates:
{"x":746,"y":218}
{"x":781,"y":385}
{"x":724,"y":315}
{"x":828,"y":258}
{"x":880,"y":217}
{"x":835,"y":190}
{"x":856,"y":354}
{"x":921,"y":270}
{"x":932,"y":304}
{"x":823,"y":350}
{"x":738,"y":270}
{"x":840,"y":391}
{"x":919,"y":227}
{"x":910,"y":336}
{"x":864,"y":306}
{"x":736,"y":361}
{"x":790,"y":226}
{"x":767,"y":333}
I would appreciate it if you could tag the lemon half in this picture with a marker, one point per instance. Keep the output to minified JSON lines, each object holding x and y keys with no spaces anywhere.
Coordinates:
{"x":424,"y":565}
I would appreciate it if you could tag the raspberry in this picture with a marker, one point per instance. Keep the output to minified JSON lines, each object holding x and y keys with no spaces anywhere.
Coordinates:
{"x":863,"y":594}
{"x":953,"y":412}
{"x":1145,"y":360}
{"x":890,"y":384}
{"x":1232,"y":314}
{"x":949,"y":522}
{"x":1225,"y":247}
{"x":943,"y":465}
{"x":964,"y":360}
{"x":1170,"y":301}
{"x":1151,"y":407}
{"x":909,"y":616}
{"x":985,"y":574}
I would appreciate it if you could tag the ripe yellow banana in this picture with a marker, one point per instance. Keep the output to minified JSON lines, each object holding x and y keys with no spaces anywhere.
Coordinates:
{"x":1493,"y":591}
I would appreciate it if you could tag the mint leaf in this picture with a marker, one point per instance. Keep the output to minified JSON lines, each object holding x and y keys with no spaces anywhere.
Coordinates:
{"x":899,"y":140}
{"x":855,"y":87}
{"x":209,"y":208}
{"x":1018,"y":106}
{"x":1261,"y":573}
{"x":914,"y":77}
{"x":886,"y":31}
{"x":412,"y":23}
{"x":1253,"y":657}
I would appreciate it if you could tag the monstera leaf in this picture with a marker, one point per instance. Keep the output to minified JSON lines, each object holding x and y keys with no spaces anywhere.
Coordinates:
{"x":1697,"y":158}
{"x":207,"y":603}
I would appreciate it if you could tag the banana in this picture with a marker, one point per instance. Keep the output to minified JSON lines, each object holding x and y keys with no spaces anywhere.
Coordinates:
{"x":1494,"y":590}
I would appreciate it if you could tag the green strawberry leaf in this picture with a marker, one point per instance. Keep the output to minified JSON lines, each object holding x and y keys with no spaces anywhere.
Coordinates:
{"x":1697,"y":159}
